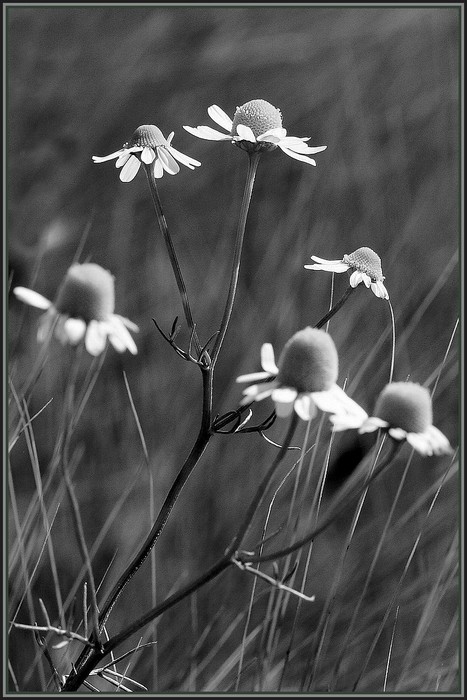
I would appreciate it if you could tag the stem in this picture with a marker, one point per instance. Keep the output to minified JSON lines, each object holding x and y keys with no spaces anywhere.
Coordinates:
{"x":336,"y":307}
{"x":352,"y":489}
{"x":250,"y":180}
{"x":171,"y":251}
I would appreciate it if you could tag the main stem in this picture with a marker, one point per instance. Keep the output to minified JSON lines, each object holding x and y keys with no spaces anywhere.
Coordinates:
{"x":336,"y":307}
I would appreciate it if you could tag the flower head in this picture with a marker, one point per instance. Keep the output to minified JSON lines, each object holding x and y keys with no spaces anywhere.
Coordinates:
{"x":83,"y":308}
{"x":365,"y":266}
{"x":304,"y":379}
{"x":256,"y":126}
{"x":148,"y":145}
{"x":404,"y":410}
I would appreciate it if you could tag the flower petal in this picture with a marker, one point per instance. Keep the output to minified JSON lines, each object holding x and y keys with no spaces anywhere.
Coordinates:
{"x":130,"y":169}
{"x":420,"y":443}
{"x":355,"y":278}
{"x":182,"y":158}
{"x":254,"y":377}
{"x":268,"y":362}
{"x":147,"y":155}
{"x":336,"y":401}
{"x":220,"y":117}
{"x":246,"y":133}
{"x":273,"y":135}
{"x":119,"y":335}
{"x":28,"y":296}
{"x":158,"y":169}
{"x":122,"y":159}
{"x":372,"y":424}
{"x":438,"y":441}
{"x":129,"y":324}
{"x":336,"y":267}
{"x":102,"y":159}
{"x":304,"y":407}
{"x":328,"y":262}
{"x":96,"y":337}
{"x":74,"y":329}
{"x":205,"y":132}
{"x":169,"y":163}
{"x":297,"y":156}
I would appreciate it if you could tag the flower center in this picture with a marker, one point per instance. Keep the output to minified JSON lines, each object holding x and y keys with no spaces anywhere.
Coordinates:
{"x":87,"y":292}
{"x":366,"y":260}
{"x":259,"y":115}
{"x":308,"y":361}
{"x":405,"y":405}
{"x":146,"y":135}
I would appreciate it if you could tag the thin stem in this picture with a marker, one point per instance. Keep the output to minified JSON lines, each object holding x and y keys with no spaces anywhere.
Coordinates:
{"x":250,"y":180}
{"x":171,"y":251}
{"x":336,"y":307}
{"x":354,"y":488}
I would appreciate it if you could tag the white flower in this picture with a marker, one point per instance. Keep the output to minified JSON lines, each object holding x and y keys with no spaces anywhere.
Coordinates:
{"x":404,"y":410}
{"x":365,"y":265}
{"x":256,"y":126}
{"x":148,"y":145}
{"x":305,"y":378}
{"x":83,"y":309}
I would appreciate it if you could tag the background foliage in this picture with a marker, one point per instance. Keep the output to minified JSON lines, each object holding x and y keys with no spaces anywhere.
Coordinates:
{"x":380,"y":87}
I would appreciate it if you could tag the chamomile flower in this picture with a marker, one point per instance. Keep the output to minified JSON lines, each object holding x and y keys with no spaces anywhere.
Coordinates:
{"x":304,"y":378}
{"x":365,"y":266}
{"x":148,"y":145}
{"x":83,"y":309}
{"x":404,"y":411}
{"x":256,"y":126}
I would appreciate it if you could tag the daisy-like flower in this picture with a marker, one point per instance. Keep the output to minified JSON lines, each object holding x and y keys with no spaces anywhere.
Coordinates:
{"x":304,"y":378}
{"x":365,"y":266}
{"x":404,"y":410}
{"x":83,"y":308}
{"x":148,"y":145}
{"x":256,"y":126}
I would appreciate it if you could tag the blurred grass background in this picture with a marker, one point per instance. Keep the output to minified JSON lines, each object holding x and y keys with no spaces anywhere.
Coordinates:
{"x":380,"y":87}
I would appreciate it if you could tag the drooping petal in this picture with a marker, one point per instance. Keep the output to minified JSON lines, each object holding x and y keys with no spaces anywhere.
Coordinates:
{"x":329,"y":262}
{"x":158,"y":169}
{"x":372,"y":424}
{"x":336,"y":401}
{"x":268,"y":362}
{"x":334,"y":267}
{"x":355,"y":278}
{"x":122,"y":159}
{"x":438,"y":441}
{"x":379,"y":290}
{"x":305,"y":407}
{"x":102,"y":159}
{"x":284,"y":398}
{"x":96,"y":337}
{"x":74,"y":329}
{"x":169,"y":163}
{"x":297,"y":156}
{"x":398,"y":433}
{"x":205,"y":132}
{"x":147,"y":155}
{"x":254,"y":377}
{"x":273,"y":135}
{"x":129,"y":324}
{"x":220,"y":117}
{"x":345,"y":421}
{"x":130,"y":169}
{"x":182,"y":158}
{"x":245,"y":133}
{"x":28,"y":296}
{"x":117,"y":329}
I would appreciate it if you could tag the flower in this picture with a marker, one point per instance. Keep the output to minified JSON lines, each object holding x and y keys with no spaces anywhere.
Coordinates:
{"x":404,"y":410}
{"x":83,"y":308}
{"x":256,"y":126}
{"x":305,"y":378}
{"x":148,"y":145}
{"x":365,"y":265}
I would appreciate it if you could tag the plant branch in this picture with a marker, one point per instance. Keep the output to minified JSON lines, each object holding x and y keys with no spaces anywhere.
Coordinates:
{"x":336,"y":307}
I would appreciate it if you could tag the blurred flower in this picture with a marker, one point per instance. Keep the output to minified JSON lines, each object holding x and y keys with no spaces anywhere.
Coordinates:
{"x":83,"y":308}
{"x":404,"y":410}
{"x":365,"y":265}
{"x":305,"y":378}
{"x":148,"y":145}
{"x":256,"y":126}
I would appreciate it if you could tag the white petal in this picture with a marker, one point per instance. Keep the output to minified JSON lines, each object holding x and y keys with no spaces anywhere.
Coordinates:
{"x":273,"y":135}
{"x":328,"y":262}
{"x":246,"y":133}
{"x":205,"y":132}
{"x":158,"y":169}
{"x":254,"y":377}
{"x":355,"y":278}
{"x":268,"y":362}
{"x":284,"y":394}
{"x":118,"y":335}
{"x":122,"y":160}
{"x":220,"y":117}
{"x":96,"y":337}
{"x":398,"y":433}
{"x":438,"y":441}
{"x":419,"y":442}
{"x":344,"y":421}
{"x":304,"y":407}
{"x":129,"y":170}
{"x":379,"y":290}
{"x":74,"y":329}
{"x":336,"y":267}
{"x":28,"y":296}
{"x":335,"y":400}
{"x":169,"y":163}
{"x":129,"y":324}
{"x":297,"y":156}
{"x":182,"y":158}
{"x":372,"y":424}
{"x":102,"y":159}
{"x":147,"y":155}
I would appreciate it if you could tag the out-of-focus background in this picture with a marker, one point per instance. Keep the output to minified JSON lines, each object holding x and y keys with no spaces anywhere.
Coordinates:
{"x":380,"y":87}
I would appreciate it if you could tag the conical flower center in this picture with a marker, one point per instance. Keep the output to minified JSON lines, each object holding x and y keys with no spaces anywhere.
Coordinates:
{"x":366,"y":260}
{"x":259,"y":115}
{"x":405,"y":405}
{"x":87,"y":292}
{"x":309,"y":361}
{"x":146,"y":135}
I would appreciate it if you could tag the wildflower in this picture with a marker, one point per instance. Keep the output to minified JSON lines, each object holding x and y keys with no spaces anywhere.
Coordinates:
{"x":83,"y":308}
{"x":148,"y":145}
{"x":304,"y":379}
{"x":365,"y":265}
{"x":404,"y":410}
{"x":256,"y":126}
